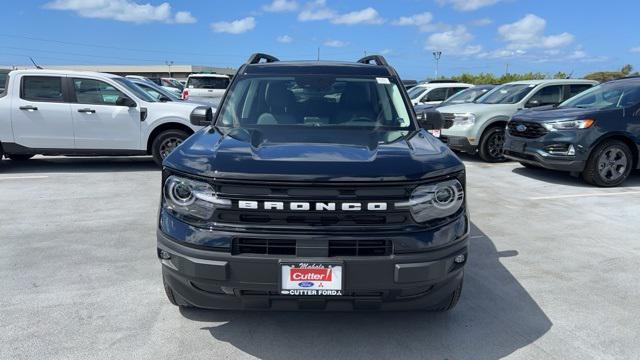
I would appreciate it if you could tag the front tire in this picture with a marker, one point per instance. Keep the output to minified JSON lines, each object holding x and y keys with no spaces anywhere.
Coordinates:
{"x":19,"y":157}
{"x":165,"y":142}
{"x":173,"y":299}
{"x":609,"y":164}
{"x":490,"y":149}
{"x":451,"y":302}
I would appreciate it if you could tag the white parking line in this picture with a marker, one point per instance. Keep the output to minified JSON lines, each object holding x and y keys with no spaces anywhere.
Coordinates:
{"x":23,"y":177}
{"x":585,"y":195}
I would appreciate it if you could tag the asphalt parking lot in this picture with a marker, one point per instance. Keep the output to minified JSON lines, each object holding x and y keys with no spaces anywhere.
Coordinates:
{"x":552,"y":274}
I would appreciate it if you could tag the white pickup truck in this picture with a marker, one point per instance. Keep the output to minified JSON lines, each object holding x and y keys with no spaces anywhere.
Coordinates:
{"x":54,"y":112}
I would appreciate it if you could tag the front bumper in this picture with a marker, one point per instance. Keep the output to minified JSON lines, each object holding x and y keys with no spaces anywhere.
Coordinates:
{"x":459,"y":143}
{"x":534,"y":151}
{"x":223,"y":280}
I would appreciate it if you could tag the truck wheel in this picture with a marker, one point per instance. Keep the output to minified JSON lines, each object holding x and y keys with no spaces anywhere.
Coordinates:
{"x":19,"y":157}
{"x":609,"y":164}
{"x":451,"y":302}
{"x":490,"y":148}
{"x":165,"y":142}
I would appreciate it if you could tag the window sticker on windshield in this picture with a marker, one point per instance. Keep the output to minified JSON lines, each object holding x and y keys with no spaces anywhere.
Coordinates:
{"x":383,"y":81}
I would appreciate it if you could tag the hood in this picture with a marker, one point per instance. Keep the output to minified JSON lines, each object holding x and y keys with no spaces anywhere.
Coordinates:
{"x":552,"y":114}
{"x":481,"y":109}
{"x":420,"y":108}
{"x":343,"y":155}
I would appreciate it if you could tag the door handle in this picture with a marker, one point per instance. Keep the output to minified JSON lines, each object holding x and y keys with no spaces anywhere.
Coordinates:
{"x":28,"y":108}
{"x":87,"y":111}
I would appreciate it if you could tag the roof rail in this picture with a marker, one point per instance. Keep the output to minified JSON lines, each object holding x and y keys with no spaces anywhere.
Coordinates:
{"x":379,"y":59}
{"x":255,"y":58}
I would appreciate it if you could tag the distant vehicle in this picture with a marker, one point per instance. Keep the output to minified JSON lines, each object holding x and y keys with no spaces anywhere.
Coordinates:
{"x":55,"y":112}
{"x":468,"y":95}
{"x":596,"y":133}
{"x":408,"y":84}
{"x":206,"y":87}
{"x":158,"y":81}
{"x":435,"y":92}
{"x":480,"y":126}
{"x":160,"y":93}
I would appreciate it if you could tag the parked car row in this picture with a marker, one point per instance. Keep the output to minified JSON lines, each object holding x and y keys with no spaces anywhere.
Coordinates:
{"x":570,"y":125}
{"x":55,"y":112}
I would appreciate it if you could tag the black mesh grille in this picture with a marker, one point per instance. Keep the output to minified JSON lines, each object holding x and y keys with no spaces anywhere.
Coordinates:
{"x":526,"y":129}
{"x":336,"y":248}
{"x":360,"y":248}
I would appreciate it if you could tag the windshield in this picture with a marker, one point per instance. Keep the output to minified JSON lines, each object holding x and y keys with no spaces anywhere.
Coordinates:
{"x":415,"y":92}
{"x":315,"y":101}
{"x":207,"y":82}
{"x":157,"y":92}
{"x":506,"y":94}
{"x":135,"y":89}
{"x":466,"y":96}
{"x":617,"y":94}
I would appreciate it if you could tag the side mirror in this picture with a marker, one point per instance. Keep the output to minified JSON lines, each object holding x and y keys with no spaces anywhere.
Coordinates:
{"x":532,"y":104}
{"x":201,"y":116}
{"x":431,"y":120}
{"x":125,"y":101}
{"x":163,"y":98}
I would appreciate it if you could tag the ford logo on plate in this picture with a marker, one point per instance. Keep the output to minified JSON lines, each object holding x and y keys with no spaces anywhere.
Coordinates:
{"x":305,"y":284}
{"x":521,"y":128}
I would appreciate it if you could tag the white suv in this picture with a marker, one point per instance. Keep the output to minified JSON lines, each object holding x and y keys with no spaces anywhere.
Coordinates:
{"x":435,"y":92}
{"x":479,"y":126}
{"x":53,"y":112}
{"x":205,"y":87}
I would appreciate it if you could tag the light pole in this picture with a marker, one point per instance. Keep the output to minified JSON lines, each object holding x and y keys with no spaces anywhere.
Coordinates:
{"x":169,"y":63}
{"x":437,"y":55}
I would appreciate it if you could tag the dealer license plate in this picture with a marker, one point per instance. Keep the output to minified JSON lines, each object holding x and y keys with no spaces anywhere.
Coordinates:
{"x":311,"y":279}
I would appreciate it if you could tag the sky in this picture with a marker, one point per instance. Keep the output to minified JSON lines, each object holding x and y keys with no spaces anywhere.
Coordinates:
{"x":474,"y":36}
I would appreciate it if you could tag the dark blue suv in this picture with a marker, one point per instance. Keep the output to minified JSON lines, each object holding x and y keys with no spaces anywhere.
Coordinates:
{"x":596,"y":133}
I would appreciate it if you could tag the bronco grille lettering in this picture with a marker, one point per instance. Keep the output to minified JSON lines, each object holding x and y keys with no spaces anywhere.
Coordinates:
{"x":311,"y":206}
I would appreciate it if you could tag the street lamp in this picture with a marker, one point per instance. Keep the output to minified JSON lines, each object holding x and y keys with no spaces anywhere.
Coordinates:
{"x":436,"y":56}
{"x":169,"y":63}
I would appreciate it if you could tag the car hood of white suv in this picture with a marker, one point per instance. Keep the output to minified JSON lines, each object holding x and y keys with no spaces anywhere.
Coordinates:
{"x":480,"y":110}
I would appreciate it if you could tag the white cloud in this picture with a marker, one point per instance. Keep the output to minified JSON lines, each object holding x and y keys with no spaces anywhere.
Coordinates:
{"x":453,"y":42}
{"x":316,"y":10}
{"x":422,"y":20}
{"x":482,"y":22}
{"x":285,"y":39}
{"x":468,"y":5}
{"x":184,"y":17}
{"x":123,"y":10}
{"x":635,"y":49}
{"x":281,"y":6}
{"x":335,"y":43}
{"x":364,"y":16}
{"x":528,"y":32}
{"x":234,"y":27}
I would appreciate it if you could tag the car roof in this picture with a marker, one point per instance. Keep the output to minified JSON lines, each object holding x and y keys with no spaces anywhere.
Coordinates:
{"x":311,"y":67}
{"x":64,"y":72}
{"x":208,"y":75}
{"x":441,"y":85}
{"x":553,"y":81}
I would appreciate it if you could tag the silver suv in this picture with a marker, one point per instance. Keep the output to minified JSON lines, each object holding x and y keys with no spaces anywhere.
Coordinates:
{"x":479,"y":126}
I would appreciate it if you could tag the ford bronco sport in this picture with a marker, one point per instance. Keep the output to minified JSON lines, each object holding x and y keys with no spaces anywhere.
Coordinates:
{"x":315,"y":188}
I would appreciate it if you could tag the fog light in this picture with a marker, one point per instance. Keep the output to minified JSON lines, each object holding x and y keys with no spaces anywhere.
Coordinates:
{"x":164,"y":255}
{"x":571,"y":151}
{"x":459,"y":259}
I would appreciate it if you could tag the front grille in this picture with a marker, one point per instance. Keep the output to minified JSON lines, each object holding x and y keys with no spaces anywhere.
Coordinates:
{"x":531,"y":130}
{"x":447,"y":116}
{"x":360,"y":248}
{"x":336,"y":248}
{"x":311,"y":219}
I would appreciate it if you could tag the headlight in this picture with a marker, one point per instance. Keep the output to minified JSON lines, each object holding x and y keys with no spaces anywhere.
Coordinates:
{"x":428,"y":202}
{"x":569,"y":124}
{"x":464,"y":119}
{"x":191,"y":198}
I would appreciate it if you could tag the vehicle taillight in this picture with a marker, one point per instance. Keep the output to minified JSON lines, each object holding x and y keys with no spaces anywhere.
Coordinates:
{"x":185,"y":94}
